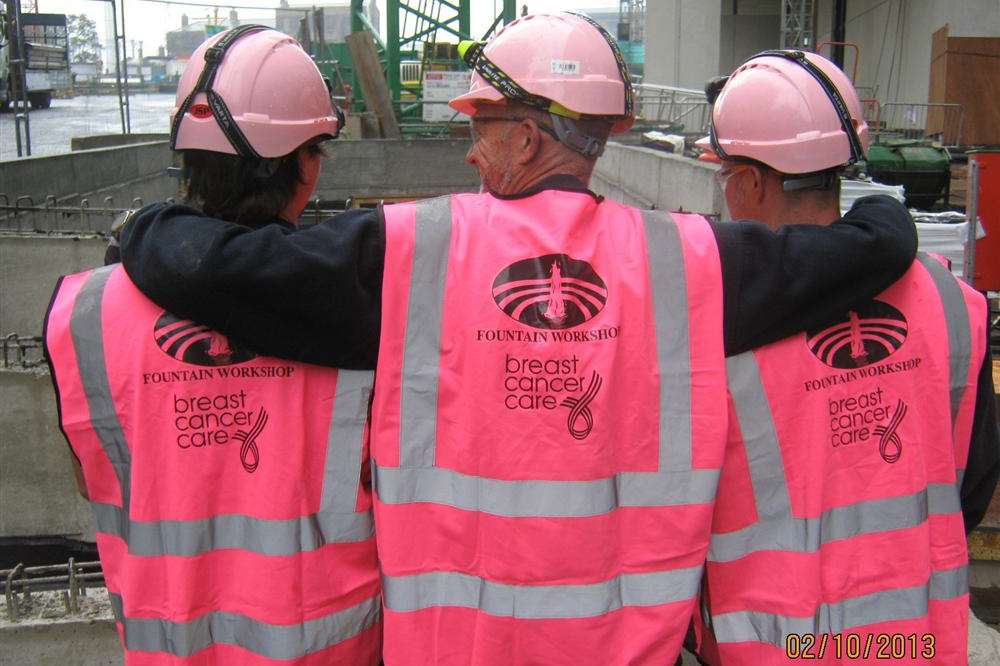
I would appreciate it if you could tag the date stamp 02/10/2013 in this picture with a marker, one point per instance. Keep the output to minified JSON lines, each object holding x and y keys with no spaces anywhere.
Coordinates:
{"x":860,"y":646}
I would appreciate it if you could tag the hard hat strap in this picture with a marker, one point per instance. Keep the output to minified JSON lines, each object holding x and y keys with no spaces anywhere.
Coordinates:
{"x":616,"y":51}
{"x":213,"y":58}
{"x":571,"y":136}
{"x":500,"y":80}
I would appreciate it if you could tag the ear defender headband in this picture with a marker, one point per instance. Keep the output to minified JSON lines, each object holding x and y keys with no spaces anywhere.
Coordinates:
{"x":714,"y":87}
{"x":213,"y":58}
{"x":566,"y":131}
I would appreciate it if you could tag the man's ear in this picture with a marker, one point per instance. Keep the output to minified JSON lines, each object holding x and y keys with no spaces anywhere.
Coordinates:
{"x":527,"y":141}
{"x":756,"y":184}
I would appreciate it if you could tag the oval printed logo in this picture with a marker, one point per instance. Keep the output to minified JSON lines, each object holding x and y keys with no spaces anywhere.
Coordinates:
{"x":553,"y":291}
{"x":200,"y":111}
{"x":193,"y":343}
{"x":868,"y":335}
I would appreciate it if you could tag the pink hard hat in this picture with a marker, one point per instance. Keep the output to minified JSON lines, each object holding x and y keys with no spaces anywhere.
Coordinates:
{"x":252,"y":91}
{"x":563,"y":63}
{"x":794,"y":111}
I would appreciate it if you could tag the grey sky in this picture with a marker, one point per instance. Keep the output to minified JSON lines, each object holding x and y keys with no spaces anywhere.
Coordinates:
{"x":149,"y":22}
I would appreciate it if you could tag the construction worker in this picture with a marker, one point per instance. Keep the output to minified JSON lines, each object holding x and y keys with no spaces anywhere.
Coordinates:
{"x":550,"y":413}
{"x":857,"y":446}
{"x":231,"y":518}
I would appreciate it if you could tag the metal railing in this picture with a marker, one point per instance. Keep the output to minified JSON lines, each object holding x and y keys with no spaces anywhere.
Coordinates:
{"x":23,"y":214}
{"x":72,"y":578}
{"x":937,"y":121}
{"x":667,"y":105}
{"x":21,"y":352}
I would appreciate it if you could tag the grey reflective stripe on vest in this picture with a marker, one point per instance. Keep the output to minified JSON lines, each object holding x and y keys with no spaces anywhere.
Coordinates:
{"x":274,"y":641}
{"x":255,"y":535}
{"x":956,"y":316}
{"x":342,"y":471}
{"x":337,"y":520}
{"x":668,"y":281}
{"x":88,"y":343}
{"x":418,"y":480}
{"x":555,"y":499}
{"x":421,"y":361}
{"x":537,"y":602}
{"x":887,"y":606}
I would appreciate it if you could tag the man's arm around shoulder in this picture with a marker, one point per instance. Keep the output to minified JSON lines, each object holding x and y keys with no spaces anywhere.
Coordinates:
{"x":312,"y":295}
{"x":778,"y":283}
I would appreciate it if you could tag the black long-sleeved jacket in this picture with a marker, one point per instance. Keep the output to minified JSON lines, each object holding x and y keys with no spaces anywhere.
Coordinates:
{"x":315,"y":295}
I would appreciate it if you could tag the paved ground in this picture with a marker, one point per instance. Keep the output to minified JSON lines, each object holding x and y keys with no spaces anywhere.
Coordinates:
{"x":52,"y":128}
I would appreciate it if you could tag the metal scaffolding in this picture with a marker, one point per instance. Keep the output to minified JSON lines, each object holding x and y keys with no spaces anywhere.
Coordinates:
{"x":798,"y":24}
{"x":17,"y":63}
{"x":413,"y":29}
{"x":632,"y":21}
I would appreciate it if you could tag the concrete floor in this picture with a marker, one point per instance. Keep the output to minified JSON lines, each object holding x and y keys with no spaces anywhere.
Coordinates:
{"x":52,"y":128}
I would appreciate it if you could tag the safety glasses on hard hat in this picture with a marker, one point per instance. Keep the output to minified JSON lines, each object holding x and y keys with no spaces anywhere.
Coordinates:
{"x":476,"y":134}
{"x":789,"y":182}
{"x":723,"y":175}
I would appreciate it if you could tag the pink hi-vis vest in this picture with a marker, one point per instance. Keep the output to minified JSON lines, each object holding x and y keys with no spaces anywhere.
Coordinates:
{"x":838,"y":532}
{"x":547,"y":430}
{"x":232,"y":524}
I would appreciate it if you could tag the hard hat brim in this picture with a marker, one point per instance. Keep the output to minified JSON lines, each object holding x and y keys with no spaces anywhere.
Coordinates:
{"x":466,"y":103}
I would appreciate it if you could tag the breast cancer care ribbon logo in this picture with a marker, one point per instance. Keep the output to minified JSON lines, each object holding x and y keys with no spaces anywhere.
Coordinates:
{"x":889,"y":437}
{"x":249,"y":454}
{"x":579,"y":409}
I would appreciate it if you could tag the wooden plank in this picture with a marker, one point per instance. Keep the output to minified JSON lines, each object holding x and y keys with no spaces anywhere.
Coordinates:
{"x":973,"y":83}
{"x":372,"y":79}
{"x":939,"y":78}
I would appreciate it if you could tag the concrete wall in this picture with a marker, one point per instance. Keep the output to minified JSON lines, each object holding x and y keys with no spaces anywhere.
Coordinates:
{"x":38,"y":494}
{"x":110,"y":140}
{"x":123,"y":172}
{"x":895,"y":39}
{"x":64,"y":642}
{"x":388,"y":168}
{"x":29,"y":268}
{"x":682,"y":42}
{"x":647,"y":178}
{"x":755,"y":26}
{"x":368,"y":169}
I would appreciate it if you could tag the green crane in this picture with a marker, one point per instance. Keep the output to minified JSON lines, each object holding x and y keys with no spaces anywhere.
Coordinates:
{"x":420,"y":35}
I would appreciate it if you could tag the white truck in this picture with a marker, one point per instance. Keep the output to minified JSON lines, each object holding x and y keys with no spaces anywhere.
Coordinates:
{"x":46,"y":45}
